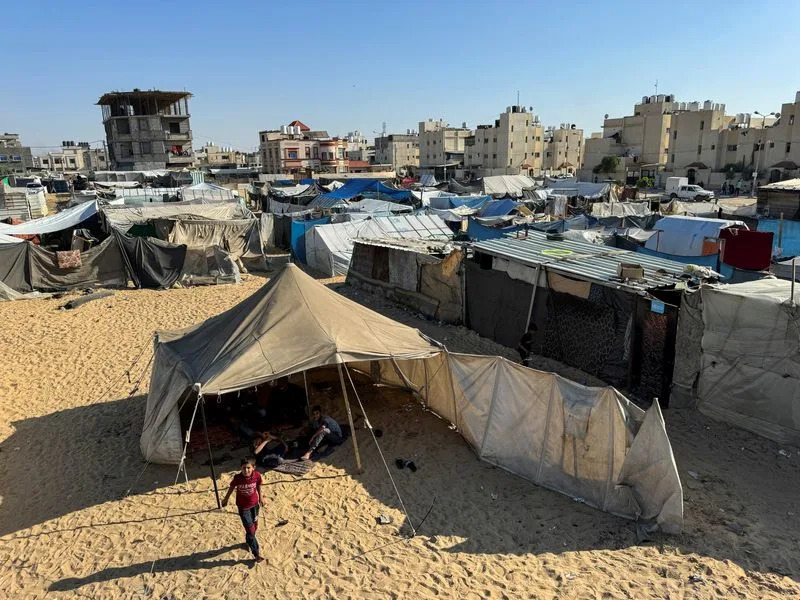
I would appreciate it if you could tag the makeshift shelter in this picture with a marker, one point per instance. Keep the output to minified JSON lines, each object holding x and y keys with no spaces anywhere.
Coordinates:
{"x":207,"y":191}
{"x":360,"y":187}
{"x":100,"y":266}
{"x":422,"y":274}
{"x":124,"y":217}
{"x":507,"y":185}
{"x":748,"y":372}
{"x":780,"y":198}
{"x":328,"y":248}
{"x":611,"y":313}
{"x":151,"y":263}
{"x":621,"y":209}
{"x":589,"y":443}
{"x":66,"y":219}
{"x":689,"y":236}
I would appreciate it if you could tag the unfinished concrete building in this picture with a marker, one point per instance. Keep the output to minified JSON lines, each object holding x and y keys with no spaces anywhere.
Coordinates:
{"x":147,"y":130}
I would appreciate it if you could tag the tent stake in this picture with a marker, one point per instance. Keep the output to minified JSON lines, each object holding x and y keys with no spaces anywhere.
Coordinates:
{"x":359,"y":470}
{"x":208,"y":445}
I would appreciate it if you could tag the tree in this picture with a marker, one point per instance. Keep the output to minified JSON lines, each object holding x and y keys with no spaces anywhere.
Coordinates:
{"x":645,"y":182}
{"x":609,"y":164}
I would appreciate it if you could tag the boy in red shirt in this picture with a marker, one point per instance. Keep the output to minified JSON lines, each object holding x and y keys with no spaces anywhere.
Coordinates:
{"x":248,"y":498}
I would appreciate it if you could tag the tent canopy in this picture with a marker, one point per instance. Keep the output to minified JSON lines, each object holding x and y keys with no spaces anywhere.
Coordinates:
{"x":290,"y":325}
{"x":684,"y":236}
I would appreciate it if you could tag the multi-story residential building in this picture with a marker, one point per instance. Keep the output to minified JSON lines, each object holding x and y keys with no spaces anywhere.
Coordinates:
{"x":147,"y":130}
{"x":295,"y":148}
{"x":357,"y":146}
{"x":401,"y":151}
{"x":211,"y":155}
{"x":74,"y":157}
{"x":441,"y":147}
{"x":640,"y":141}
{"x":563,"y":150}
{"x":14,"y":157}
{"x":513,"y":144}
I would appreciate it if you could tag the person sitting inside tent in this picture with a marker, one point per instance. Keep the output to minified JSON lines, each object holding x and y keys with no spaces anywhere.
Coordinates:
{"x":325,"y":430}
{"x":269,"y":450}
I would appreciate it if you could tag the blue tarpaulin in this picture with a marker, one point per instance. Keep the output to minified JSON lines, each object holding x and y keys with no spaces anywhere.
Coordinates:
{"x":307,"y":181}
{"x":469,"y":202}
{"x":357,"y":187}
{"x":790,"y":243}
{"x":298,"y":236}
{"x":479,"y":232}
{"x":498,"y":208}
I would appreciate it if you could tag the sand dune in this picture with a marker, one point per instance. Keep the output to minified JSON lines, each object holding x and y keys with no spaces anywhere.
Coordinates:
{"x":79,"y":517}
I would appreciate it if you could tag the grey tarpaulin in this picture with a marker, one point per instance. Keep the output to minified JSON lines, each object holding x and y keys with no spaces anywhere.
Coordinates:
{"x":240,"y":237}
{"x":282,"y":231}
{"x":267,"y":224}
{"x":14,"y":270}
{"x":750,"y":364}
{"x":209,"y":265}
{"x":151,"y":263}
{"x":688,"y":350}
{"x":101,"y":266}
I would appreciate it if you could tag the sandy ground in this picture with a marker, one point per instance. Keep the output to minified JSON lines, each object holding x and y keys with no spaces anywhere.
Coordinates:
{"x":80,"y":518}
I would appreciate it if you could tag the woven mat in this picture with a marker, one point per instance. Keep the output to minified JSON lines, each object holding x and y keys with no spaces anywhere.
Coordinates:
{"x":301,"y":467}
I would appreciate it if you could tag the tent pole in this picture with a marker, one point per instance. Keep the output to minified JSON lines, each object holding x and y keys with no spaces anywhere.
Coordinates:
{"x":350,"y":419}
{"x":208,"y":445}
{"x":308,"y":403}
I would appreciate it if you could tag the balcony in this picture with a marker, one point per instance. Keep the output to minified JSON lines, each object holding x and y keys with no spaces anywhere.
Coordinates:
{"x":185,"y":158}
{"x":178,"y":137}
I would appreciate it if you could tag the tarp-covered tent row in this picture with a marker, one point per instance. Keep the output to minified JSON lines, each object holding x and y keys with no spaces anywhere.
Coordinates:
{"x":745,"y":367}
{"x":124,"y":217}
{"x":588,"y":443}
{"x":329,"y":247}
{"x":360,"y":187}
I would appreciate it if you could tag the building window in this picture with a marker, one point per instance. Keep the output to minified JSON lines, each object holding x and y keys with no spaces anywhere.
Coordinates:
{"x":146,"y":148}
{"x":548,"y":154}
{"x":537,"y":155}
{"x":263,"y":138}
{"x":512,"y":145}
{"x":175,"y":127}
{"x":538,"y":138}
{"x":308,"y":152}
{"x":788,"y":147}
{"x":713,"y":146}
{"x":791,"y":119}
{"x":702,"y":125}
{"x":494,"y":155}
{"x":494,"y":140}
{"x":673,"y":158}
{"x":772,"y":144}
{"x":123,"y":126}
{"x":144,"y":125}
{"x":316,"y":152}
{"x":675,"y":135}
{"x":732,"y":147}
{"x":699,"y":148}
{"x":125,"y":149}
{"x":3,"y":158}
{"x":512,"y":128}
{"x":292,"y":153}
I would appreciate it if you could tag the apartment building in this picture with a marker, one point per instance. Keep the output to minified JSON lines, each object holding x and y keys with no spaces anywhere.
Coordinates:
{"x":147,"y":130}
{"x":563,"y":150}
{"x":14,"y":157}
{"x":296,"y":149}
{"x":401,"y":151}
{"x":441,"y":147}
{"x":74,"y":157}
{"x":514,"y":143}
{"x":640,"y":141}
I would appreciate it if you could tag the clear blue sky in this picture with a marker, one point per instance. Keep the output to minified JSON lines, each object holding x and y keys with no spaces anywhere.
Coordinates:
{"x":352,"y":65}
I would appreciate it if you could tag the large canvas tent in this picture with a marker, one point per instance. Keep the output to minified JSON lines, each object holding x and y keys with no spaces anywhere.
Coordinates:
{"x":589,"y":443}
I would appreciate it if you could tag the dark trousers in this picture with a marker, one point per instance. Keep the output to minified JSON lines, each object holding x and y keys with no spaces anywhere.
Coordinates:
{"x":249,"y":518}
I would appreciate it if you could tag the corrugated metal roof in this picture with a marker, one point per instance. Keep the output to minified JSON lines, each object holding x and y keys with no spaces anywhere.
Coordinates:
{"x":584,"y":260}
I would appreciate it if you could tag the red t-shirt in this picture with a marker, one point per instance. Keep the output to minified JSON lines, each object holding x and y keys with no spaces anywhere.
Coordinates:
{"x":246,"y":489}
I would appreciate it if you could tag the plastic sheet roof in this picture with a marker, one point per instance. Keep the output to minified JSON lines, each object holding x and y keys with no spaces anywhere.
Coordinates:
{"x":65,"y":219}
{"x":583,"y":260}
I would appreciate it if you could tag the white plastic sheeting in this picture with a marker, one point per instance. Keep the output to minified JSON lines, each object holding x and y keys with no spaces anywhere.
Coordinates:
{"x":621,"y":209}
{"x":507,"y":185}
{"x":329,"y":248}
{"x":373,"y":205}
{"x":207,"y":191}
{"x":684,"y":236}
{"x":9,"y":239}
{"x":125,"y":216}
{"x":71,"y":217}
{"x":750,"y":364}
